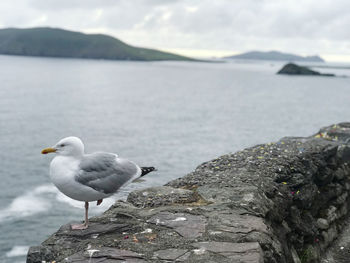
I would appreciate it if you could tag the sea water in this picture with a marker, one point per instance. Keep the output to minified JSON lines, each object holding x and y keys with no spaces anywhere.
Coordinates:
{"x":171,"y":115}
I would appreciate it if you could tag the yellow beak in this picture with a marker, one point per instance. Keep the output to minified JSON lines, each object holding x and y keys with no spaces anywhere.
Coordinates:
{"x":48,"y":150}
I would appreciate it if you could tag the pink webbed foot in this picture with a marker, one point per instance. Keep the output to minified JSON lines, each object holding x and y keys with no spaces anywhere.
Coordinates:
{"x":86,"y":223}
{"x":79,"y":227}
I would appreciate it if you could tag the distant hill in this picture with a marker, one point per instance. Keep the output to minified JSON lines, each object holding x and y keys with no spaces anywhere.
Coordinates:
{"x":275,"y":55}
{"x":53,"y":42}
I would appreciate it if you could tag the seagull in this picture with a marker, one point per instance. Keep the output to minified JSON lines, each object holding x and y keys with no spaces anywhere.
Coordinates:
{"x":89,"y":177}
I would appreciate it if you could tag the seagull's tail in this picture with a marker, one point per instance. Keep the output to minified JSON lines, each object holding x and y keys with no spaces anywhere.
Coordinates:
{"x":146,"y":170}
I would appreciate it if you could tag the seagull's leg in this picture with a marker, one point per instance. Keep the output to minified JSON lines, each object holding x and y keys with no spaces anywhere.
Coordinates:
{"x":99,"y":201}
{"x":86,"y":214}
{"x":85,"y":225}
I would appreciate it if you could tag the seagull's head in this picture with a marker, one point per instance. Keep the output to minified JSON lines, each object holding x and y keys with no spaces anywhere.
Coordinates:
{"x":69,"y":146}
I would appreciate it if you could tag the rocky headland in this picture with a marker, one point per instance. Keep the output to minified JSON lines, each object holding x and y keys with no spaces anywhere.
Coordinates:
{"x":294,"y":69}
{"x":279,"y":202}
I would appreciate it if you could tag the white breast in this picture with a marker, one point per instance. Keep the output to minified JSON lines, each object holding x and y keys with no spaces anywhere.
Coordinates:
{"x":62,"y":172}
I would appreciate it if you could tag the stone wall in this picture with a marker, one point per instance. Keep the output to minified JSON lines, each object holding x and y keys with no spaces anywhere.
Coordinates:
{"x":276,"y":202}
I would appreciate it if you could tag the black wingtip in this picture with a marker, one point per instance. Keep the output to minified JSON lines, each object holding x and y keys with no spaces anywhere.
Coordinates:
{"x":146,"y":170}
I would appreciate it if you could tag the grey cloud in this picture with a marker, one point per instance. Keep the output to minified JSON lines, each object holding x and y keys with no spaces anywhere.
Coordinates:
{"x":54,"y":5}
{"x":93,"y":4}
{"x":221,"y":24}
{"x":269,"y":20}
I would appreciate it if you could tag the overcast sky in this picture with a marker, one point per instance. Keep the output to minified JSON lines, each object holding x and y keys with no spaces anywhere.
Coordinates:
{"x":199,"y":27}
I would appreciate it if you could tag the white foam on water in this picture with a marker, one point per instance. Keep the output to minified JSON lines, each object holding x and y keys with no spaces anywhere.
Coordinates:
{"x":37,"y":201}
{"x":17,"y":251}
{"x":29,"y":203}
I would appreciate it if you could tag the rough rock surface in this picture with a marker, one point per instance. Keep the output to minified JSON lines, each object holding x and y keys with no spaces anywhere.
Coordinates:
{"x":277,"y":202}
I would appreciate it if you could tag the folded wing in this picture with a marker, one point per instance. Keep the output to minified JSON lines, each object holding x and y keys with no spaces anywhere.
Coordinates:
{"x":105,"y":172}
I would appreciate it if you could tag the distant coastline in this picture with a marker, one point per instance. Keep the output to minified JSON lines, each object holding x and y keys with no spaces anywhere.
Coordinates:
{"x":275,"y":55}
{"x":55,"y":42}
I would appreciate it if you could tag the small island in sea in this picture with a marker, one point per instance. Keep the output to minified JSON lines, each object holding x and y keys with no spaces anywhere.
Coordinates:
{"x":54,"y":42}
{"x":293,"y":69}
{"x":275,"y":55}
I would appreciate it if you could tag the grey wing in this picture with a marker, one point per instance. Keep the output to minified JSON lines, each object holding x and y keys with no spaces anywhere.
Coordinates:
{"x":106,"y":173}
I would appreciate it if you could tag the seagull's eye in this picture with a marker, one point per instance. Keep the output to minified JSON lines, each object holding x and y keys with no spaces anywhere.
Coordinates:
{"x":62,"y":145}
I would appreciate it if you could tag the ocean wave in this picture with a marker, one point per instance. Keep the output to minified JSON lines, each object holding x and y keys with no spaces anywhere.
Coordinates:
{"x":107,"y":202}
{"x":30,"y":203}
{"x":40,"y":200}
{"x":17,"y":251}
